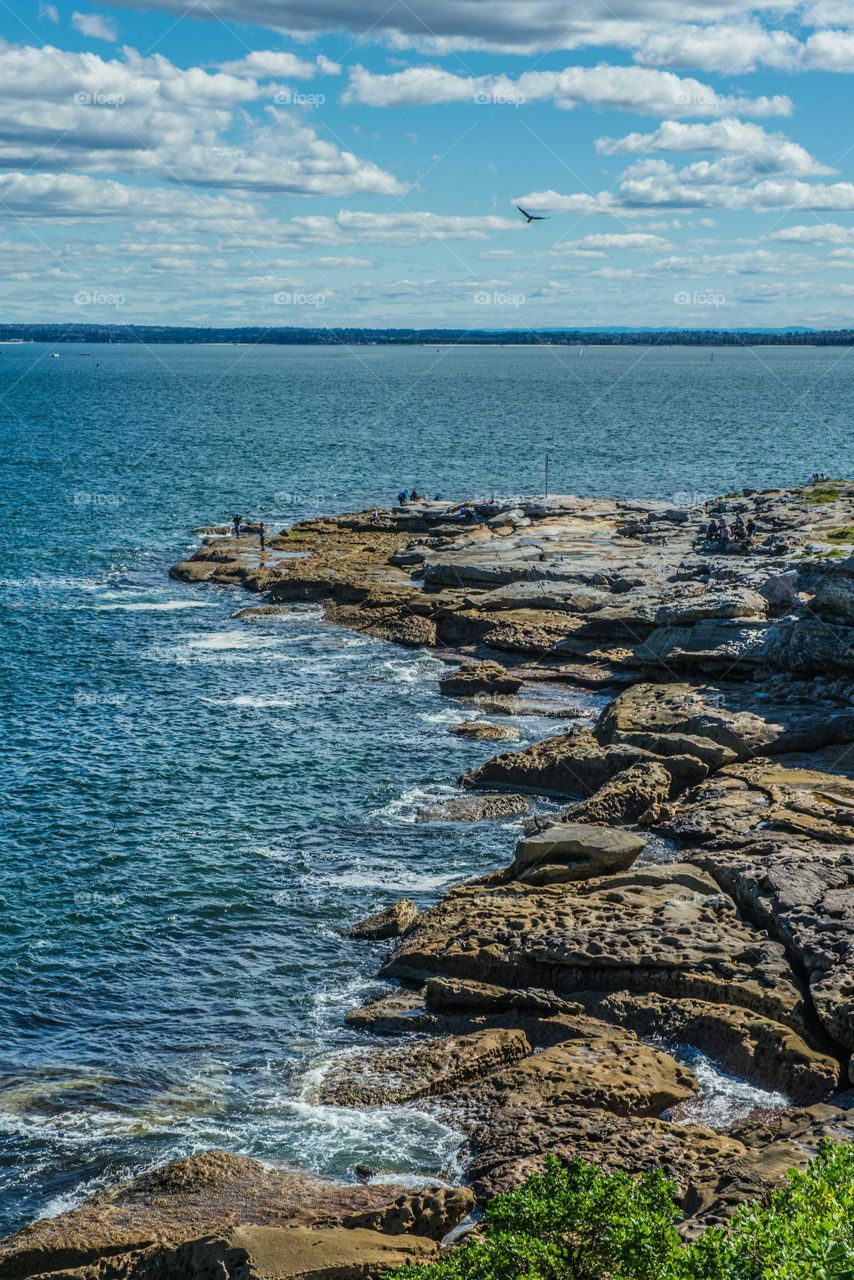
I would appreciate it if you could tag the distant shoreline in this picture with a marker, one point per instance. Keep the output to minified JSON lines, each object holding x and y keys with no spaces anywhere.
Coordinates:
{"x":258,"y":336}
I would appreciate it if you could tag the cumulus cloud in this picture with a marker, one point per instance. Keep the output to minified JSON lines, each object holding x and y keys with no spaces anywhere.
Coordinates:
{"x":70,"y":195}
{"x":815,"y":233}
{"x":611,"y":240}
{"x":636,"y":89}
{"x":734,"y":49}
{"x":264,"y":63}
{"x":742,"y":47}
{"x":68,"y":112}
{"x":767,"y":152}
{"x":447,"y":26}
{"x":96,"y":26}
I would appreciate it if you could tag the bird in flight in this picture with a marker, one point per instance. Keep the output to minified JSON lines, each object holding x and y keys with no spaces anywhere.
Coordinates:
{"x":531,"y":217}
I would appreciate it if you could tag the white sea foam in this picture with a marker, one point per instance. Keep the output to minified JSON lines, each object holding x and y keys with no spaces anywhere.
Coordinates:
{"x":723,"y":1099}
{"x":254,"y":702}
{"x":152,"y":606}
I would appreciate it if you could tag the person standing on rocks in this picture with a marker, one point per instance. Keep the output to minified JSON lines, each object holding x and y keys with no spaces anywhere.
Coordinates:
{"x":261,"y":536}
{"x":236,"y":522}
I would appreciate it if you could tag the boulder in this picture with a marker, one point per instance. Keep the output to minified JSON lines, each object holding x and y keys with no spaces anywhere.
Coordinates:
{"x":479,"y":677}
{"x":666,"y":929}
{"x":457,"y":995}
{"x":474,"y":808}
{"x":423,"y":1069}
{"x":721,"y":723}
{"x":803,"y":895}
{"x":575,"y":765}
{"x":834,"y":597}
{"x":635,"y":795}
{"x":729,"y":602}
{"x":391,"y":923}
{"x":484,"y":731}
{"x":611,"y":1071}
{"x":574,"y":851}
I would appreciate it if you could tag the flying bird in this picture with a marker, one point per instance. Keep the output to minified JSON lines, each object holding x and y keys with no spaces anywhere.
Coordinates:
{"x":531,"y":217}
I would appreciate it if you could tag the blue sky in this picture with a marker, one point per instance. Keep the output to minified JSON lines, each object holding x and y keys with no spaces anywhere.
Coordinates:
{"x":328,"y":162}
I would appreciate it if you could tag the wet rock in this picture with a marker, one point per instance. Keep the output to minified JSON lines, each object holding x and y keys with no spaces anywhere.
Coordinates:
{"x":484,"y":731}
{"x":431,"y":1213}
{"x":181,"y":1201}
{"x":479,"y":677}
{"x":474,"y":808}
{"x":574,"y":851}
{"x":575,"y":765}
{"x":423,"y":1069}
{"x":391,"y":923}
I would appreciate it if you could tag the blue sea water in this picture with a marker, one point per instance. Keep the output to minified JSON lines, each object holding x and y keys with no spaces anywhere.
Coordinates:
{"x":196,"y":805}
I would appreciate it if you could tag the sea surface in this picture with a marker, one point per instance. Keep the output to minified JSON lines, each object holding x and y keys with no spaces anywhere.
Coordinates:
{"x":195,"y":805}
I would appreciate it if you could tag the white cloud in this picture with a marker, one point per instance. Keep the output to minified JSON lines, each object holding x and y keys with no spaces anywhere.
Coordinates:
{"x":616,"y":241}
{"x":447,"y":26}
{"x":767,"y":152}
{"x":815,"y":233}
{"x":49,"y":13}
{"x":636,"y":89}
{"x":95,"y":25}
{"x":81,"y":113}
{"x":70,"y":195}
{"x":264,"y":63}
{"x":732,"y":49}
{"x":747,"y":46}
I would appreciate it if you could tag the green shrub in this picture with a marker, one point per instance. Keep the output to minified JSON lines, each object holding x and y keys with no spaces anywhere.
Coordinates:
{"x":575,"y":1222}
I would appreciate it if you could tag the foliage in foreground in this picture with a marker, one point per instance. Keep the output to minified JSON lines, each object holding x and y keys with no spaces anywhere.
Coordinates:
{"x":574,"y":1222}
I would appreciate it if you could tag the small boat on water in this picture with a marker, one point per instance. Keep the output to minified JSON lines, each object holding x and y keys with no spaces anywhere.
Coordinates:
{"x":54,"y":355}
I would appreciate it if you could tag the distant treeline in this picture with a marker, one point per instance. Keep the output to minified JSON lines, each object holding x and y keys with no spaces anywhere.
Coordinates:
{"x":151,"y":333}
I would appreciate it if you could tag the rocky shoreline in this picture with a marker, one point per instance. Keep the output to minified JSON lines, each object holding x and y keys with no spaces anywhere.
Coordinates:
{"x":693,"y":894}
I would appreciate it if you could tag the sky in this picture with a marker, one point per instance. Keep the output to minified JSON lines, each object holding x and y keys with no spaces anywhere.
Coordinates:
{"x":357,"y":162}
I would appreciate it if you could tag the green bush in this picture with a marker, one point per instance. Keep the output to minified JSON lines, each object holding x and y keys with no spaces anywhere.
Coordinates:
{"x":575,"y":1222}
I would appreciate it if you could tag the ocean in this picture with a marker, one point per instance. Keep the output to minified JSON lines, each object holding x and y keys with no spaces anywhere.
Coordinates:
{"x":197,"y":805}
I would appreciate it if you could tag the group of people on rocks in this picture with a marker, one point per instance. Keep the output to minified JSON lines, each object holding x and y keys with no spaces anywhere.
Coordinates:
{"x":261,"y":529}
{"x":722,"y":534}
{"x":414,"y":496}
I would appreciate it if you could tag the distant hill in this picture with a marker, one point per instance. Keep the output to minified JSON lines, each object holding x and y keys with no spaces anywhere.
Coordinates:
{"x":284,"y":336}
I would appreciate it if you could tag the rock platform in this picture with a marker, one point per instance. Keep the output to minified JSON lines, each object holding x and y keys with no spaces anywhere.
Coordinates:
{"x":559,"y":1004}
